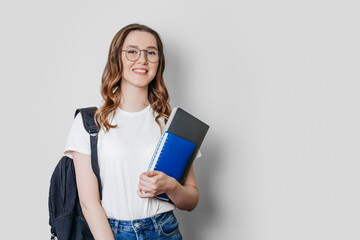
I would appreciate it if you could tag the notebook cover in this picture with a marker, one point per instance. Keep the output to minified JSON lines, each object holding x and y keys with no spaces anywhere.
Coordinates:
{"x":174,"y":155}
{"x":186,"y":126}
{"x":171,"y":157}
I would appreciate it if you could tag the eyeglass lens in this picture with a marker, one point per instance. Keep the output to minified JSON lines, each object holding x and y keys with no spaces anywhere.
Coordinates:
{"x":133,"y":54}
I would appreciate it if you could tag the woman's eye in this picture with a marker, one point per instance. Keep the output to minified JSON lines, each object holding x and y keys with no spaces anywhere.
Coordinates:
{"x":132,"y":52}
{"x":152,"y":53}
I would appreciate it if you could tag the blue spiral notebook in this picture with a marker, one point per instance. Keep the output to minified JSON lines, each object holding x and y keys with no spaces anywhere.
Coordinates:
{"x":171,"y":156}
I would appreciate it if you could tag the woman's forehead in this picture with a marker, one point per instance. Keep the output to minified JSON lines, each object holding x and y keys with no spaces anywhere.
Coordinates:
{"x":140,"y":39}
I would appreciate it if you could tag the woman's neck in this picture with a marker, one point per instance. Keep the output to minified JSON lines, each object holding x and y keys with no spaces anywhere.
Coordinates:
{"x":132,"y":98}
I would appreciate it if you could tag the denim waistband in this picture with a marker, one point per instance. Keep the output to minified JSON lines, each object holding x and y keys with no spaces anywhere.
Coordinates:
{"x":140,"y":223}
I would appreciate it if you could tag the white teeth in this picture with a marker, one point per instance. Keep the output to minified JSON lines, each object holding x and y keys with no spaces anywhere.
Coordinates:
{"x":138,"y":70}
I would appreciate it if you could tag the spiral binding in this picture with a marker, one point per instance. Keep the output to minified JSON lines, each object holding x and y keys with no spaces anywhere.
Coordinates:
{"x":157,"y":160}
{"x":157,"y":154}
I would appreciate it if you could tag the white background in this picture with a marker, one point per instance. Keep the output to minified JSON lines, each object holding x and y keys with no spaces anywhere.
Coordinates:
{"x":277,"y":81}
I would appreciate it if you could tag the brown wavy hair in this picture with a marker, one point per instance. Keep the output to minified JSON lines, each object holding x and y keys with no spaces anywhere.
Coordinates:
{"x":110,"y":85}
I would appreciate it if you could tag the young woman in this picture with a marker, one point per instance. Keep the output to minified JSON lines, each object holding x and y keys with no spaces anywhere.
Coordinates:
{"x":134,"y":112}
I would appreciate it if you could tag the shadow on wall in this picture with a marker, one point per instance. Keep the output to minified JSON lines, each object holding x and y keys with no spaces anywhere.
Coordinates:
{"x":193,"y":225}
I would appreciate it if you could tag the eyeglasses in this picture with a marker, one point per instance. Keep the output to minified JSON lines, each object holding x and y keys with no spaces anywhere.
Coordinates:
{"x":133,"y":54}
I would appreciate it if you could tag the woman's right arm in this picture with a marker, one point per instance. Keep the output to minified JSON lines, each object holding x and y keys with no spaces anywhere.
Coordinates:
{"x":89,"y":197}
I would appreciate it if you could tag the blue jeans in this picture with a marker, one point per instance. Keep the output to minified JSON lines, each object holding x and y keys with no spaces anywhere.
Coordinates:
{"x":161,"y":226}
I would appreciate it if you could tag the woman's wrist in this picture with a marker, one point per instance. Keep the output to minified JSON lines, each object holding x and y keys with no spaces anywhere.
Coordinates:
{"x":173,"y":184}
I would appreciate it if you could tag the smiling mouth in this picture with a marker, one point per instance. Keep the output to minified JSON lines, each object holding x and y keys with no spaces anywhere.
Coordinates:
{"x":140,"y":71}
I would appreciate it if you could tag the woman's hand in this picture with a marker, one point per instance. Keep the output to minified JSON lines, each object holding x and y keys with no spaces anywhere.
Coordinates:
{"x":185,"y":197}
{"x":154,"y":183}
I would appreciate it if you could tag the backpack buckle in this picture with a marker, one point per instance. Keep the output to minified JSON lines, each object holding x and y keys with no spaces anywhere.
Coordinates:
{"x":93,"y":131}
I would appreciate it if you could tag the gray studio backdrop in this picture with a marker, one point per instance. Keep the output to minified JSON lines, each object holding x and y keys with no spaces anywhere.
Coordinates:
{"x":277,"y":81}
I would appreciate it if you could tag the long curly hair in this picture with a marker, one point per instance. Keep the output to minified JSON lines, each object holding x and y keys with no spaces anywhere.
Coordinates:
{"x":110,"y":85}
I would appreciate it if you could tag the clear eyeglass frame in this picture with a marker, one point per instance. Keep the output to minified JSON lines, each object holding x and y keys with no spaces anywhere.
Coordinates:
{"x":139,"y":54}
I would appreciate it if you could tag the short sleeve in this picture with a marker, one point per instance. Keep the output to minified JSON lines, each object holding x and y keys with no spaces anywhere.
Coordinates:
{"x":78,"y":139}
{"x":198,"y":154}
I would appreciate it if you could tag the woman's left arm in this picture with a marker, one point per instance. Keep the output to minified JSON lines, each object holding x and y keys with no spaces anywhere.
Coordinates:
{"x":185,"y":197}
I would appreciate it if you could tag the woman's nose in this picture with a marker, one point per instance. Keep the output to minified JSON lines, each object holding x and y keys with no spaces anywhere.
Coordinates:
{"x":142,"y":57}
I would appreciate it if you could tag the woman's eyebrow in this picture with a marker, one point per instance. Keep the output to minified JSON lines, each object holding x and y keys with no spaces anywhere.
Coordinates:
{"x":138,"y":46}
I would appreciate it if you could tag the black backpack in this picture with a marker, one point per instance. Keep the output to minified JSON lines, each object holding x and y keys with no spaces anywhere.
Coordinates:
{"x":65,"y":216}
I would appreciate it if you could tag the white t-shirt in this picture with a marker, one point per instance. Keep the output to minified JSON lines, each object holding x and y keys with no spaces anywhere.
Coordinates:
{"x":123,"y":154}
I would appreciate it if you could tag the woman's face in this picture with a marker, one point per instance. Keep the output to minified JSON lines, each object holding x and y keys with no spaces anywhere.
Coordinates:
{"x":143,"y":41}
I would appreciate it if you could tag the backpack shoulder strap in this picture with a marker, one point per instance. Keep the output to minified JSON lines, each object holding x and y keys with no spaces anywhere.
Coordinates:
{"x":87,"y":115}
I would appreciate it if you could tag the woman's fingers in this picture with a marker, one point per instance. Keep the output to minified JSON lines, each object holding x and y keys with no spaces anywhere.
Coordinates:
{"x":147,"y":177}
{"x":153,"y":173}
{"x":144,"y":186}
{"x":153,"y":183}
{"x":144,"y":194}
